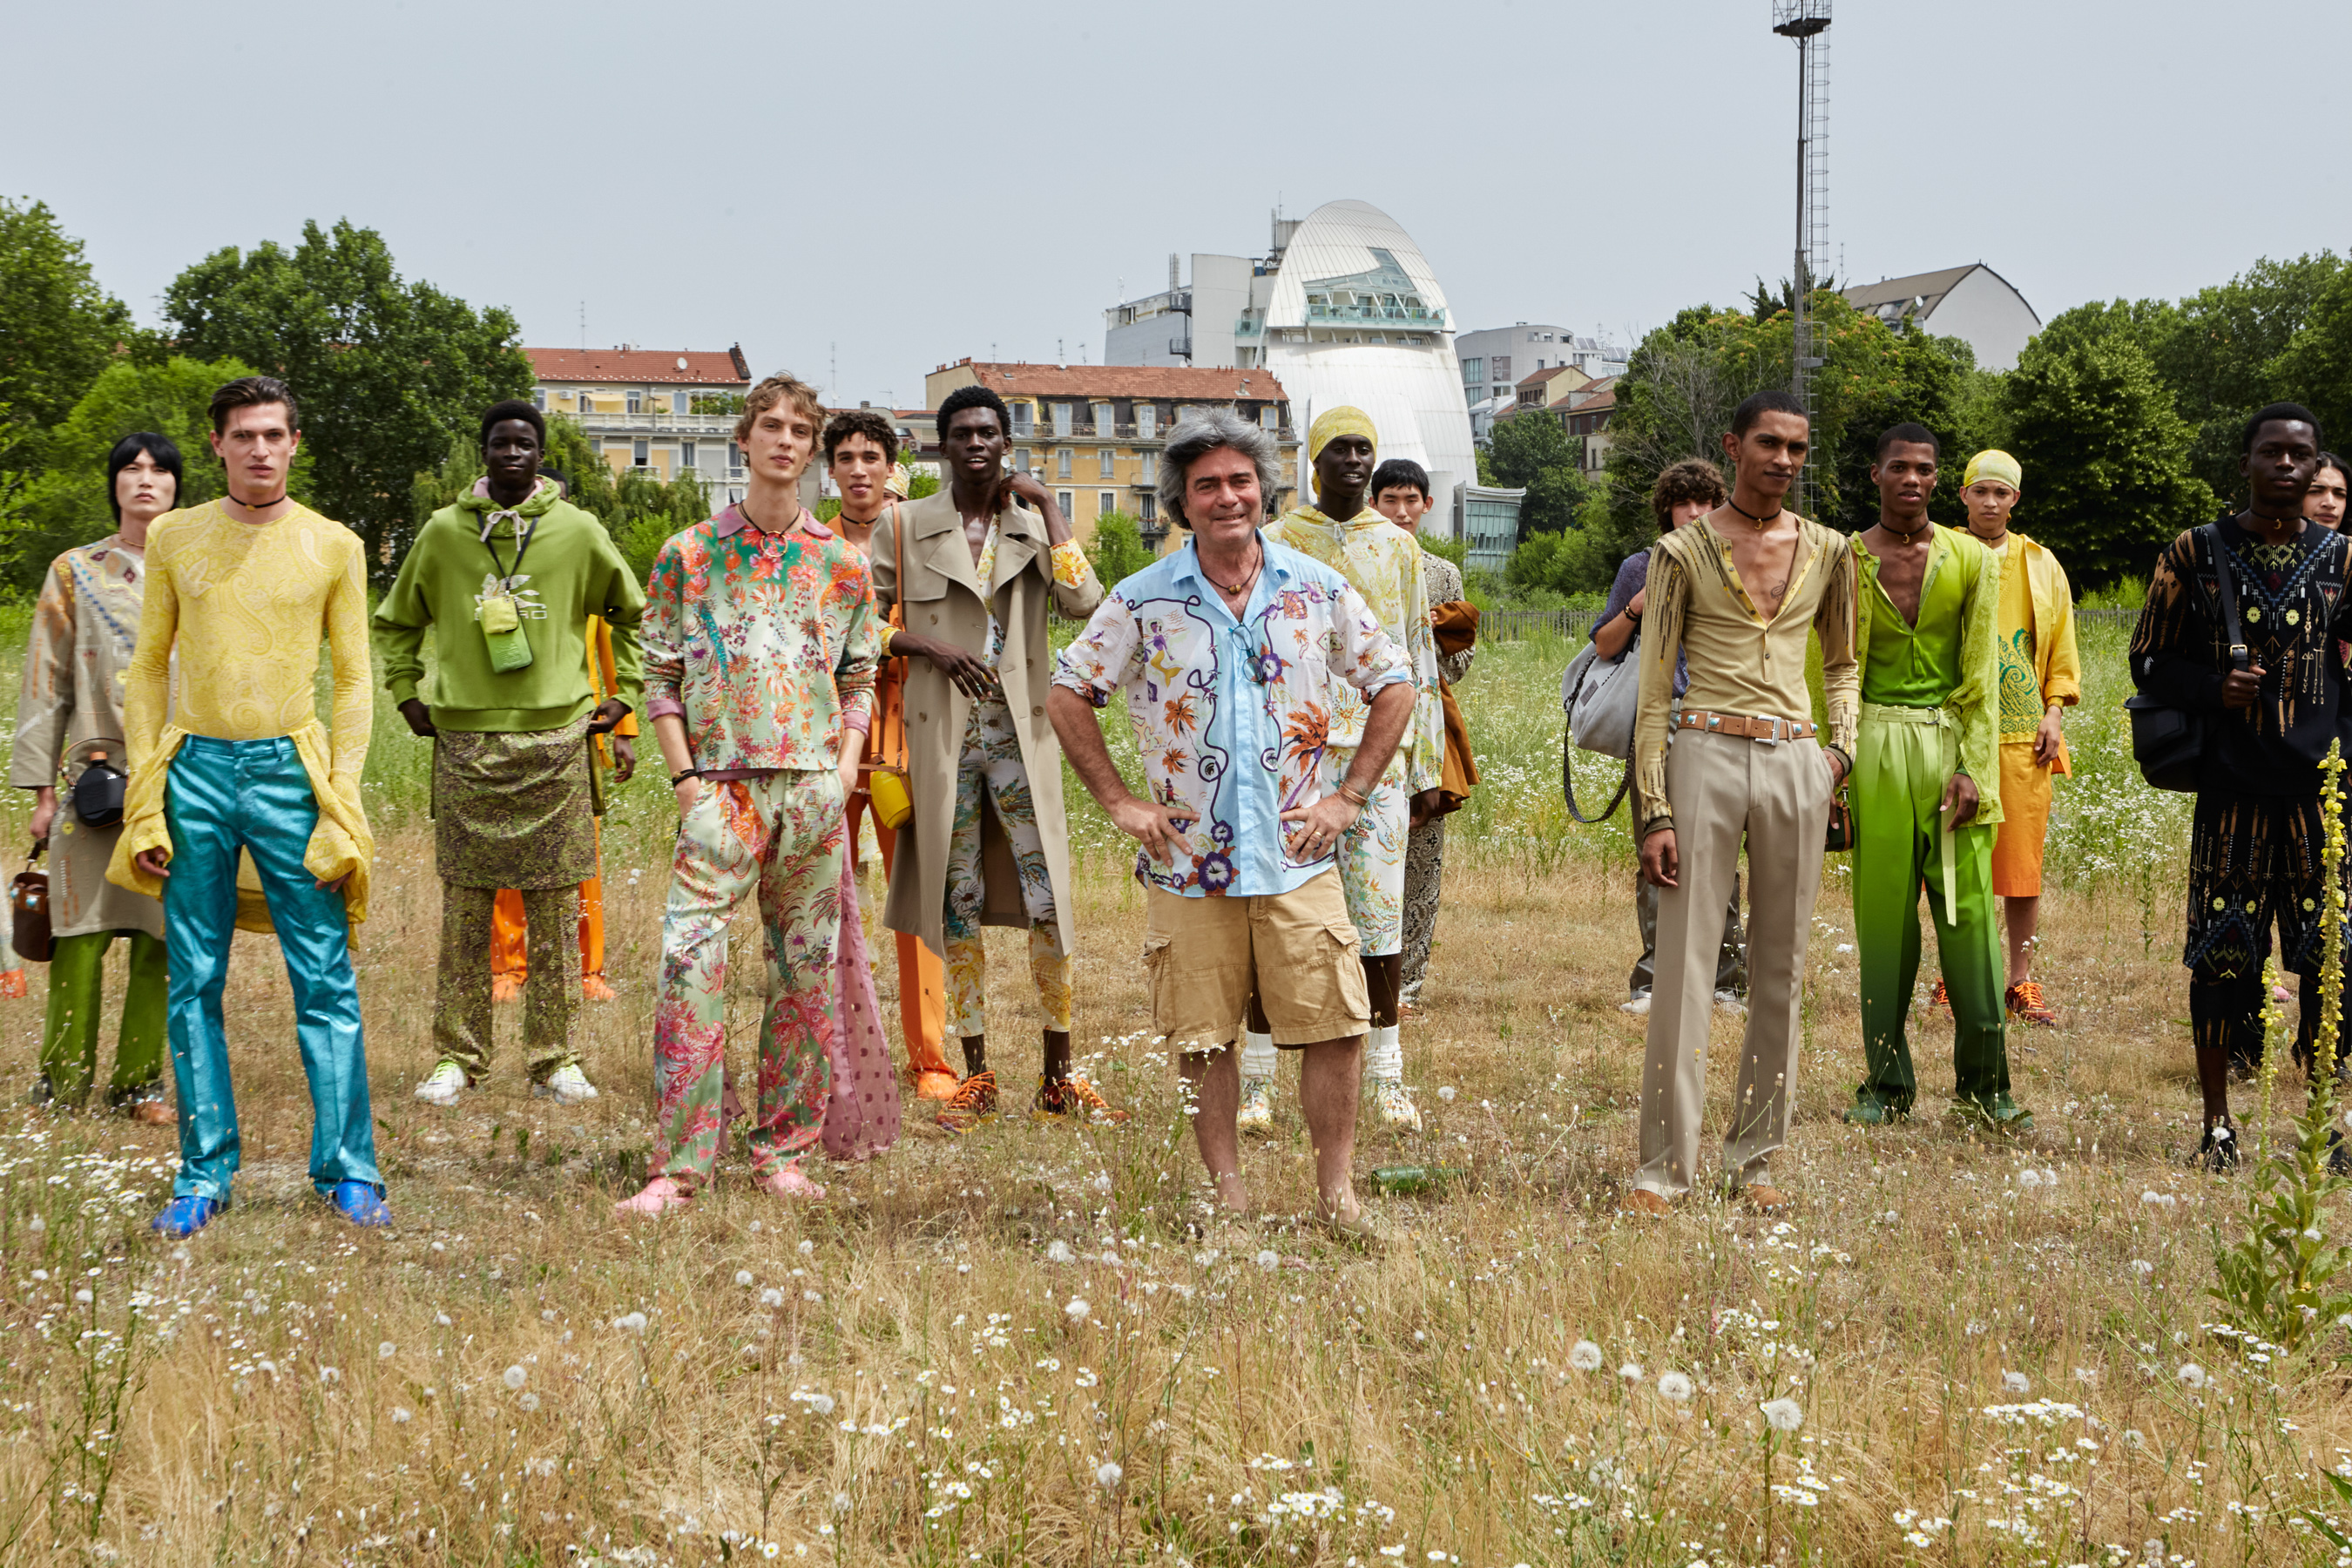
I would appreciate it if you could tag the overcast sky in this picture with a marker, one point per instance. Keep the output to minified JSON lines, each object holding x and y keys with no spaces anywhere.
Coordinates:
{"x":889,"y":187}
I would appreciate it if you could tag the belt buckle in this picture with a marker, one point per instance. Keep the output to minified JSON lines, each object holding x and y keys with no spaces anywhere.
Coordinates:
{"x":1771,"y":736}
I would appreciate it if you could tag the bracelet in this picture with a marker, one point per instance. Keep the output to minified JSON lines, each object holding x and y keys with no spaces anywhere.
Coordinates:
{"x":1632,"y":615}
{"x":683,"y":774}
{"x":1353,"y":797}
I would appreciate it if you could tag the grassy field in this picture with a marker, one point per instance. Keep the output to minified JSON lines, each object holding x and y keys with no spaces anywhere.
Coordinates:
{"x":1014,"y":1348}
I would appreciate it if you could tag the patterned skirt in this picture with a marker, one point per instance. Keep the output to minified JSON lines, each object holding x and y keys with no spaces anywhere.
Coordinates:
{"x":514,"y":810}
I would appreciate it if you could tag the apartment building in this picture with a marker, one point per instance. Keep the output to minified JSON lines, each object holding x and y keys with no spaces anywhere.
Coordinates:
{"x":659,"y":411}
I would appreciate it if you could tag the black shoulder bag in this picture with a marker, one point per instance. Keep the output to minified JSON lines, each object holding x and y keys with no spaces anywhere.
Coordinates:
{"x":2169,"y":744}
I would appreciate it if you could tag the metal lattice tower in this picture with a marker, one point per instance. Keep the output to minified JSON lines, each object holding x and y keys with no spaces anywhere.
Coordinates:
{"x":1806,"y":23}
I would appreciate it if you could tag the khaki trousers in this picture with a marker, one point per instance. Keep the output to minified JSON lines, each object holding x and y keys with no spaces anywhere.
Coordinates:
{"x":1723,"y":789}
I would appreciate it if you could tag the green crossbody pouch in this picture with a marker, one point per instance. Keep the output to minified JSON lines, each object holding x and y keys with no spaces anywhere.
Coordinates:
{"x":502,"y":630}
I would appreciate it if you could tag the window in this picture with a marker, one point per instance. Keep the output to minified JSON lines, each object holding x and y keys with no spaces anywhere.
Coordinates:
{"x":1102,"y":419}
{"x":734,"y":456}
{"x":1062,"y":459}
{"x":1151,"y":508}
{"x":1021,"y":413}
{"x":644,"y":448}
{"x":1474,"y":370}
{"x":1105,"y":503}
{"x":1269,"y":417}
{"x":1146,"y":421}
{"x":679,"y":403}
{"x":1107,"y":455}
{"x":587,"y":404}
{"x":1066,"y":501}
{"x":1021,"y":454}
{"x":1502,"y":367}
{"x":637,"y":404}
{"x":1147,"y":468}
{"x":1063,"y":419}
{"x":539,"y":398}
{"x":686,"y":453}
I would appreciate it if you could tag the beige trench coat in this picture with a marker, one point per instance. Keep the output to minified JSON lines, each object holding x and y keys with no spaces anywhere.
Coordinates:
{"x":942,"y":596}
{"x":68,"y":709}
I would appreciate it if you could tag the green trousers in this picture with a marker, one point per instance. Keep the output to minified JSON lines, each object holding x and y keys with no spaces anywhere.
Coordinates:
{"x":1904,"y":757}
{"x":69,"y":1042}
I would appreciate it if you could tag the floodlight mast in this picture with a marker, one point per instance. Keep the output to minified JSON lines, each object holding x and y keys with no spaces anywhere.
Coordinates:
{"x":1803,"y":21}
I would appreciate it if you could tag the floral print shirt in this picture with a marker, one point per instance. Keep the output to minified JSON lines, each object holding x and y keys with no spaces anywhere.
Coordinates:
{"x":1383,"y":564}
{"x":763,"y":643}
{"x":1235,"y":718}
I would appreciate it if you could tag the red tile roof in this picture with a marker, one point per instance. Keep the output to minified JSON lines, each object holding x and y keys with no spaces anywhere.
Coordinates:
{"x":1083,"y":381}
{"x":676,"y":367}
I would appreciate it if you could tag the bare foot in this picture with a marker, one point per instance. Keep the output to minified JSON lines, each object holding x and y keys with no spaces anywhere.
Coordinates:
{"x":1232,"y":1196}
{"x":660,"y":1196}
{"x":786,"y":1181}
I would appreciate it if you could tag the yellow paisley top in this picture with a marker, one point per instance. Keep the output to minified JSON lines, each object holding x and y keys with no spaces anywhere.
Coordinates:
{"x":246,"y":606}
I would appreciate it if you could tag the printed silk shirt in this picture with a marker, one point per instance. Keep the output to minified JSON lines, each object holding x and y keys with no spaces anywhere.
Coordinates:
{"x":762,"y":642}
{"x":1235,"y":718}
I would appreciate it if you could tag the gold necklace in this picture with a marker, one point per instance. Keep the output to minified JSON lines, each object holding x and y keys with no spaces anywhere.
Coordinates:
{"x":1242,"y":587}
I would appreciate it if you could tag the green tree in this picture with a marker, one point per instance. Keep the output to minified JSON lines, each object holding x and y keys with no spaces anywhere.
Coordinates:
{"x":1118,"y":549}
{"x":2216,"y":351}
{"x":1533,"y":449}
{"x":387,"y":372}
{"x":58,"y":331}
{"x":66,"y":504}
{"x":2316,"y":367}
{"x":2106,"y":454}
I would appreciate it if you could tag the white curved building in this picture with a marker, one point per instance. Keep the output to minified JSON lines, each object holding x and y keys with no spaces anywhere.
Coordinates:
{"x":1344,"y":309}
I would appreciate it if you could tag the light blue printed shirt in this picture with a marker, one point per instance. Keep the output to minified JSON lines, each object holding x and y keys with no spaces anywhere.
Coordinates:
{"x":1232,"y":717}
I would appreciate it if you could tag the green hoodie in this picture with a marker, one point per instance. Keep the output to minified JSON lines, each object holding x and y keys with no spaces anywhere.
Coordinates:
{"x":571,"y":570}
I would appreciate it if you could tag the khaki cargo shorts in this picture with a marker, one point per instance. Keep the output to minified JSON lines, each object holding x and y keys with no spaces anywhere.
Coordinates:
{"x":1297,"y":951}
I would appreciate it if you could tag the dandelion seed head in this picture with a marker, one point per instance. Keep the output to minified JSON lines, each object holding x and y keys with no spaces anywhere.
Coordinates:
{"x":1630,"y":1371}
{"x":743,"y":1278}
{"x":1783,"y":1414}
{"x":1585,"y":1356}
{"x":1447,"y":1093}
{"x":400,"y":1415}
{"x":528,"y":1402}
{"x":1674,"y":1385}
{"x":514,"y":1377}
{"x":1076,"y":1310}
{"x":2015,"y":1381}
{"x":1107,"y":1475}
{"x":1059,"y":1252}
{"x":1269,"y":1258}
{"x":2191,"y":1375}
{"x":806,"y":1247}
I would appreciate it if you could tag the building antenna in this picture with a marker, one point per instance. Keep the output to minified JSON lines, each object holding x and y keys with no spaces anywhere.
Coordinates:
{"x":833,"y":369}
{"x":584,"y":326}
{"x":1805,"y":22}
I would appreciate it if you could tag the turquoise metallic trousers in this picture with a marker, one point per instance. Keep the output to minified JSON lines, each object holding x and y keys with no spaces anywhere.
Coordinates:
{"x":255,"y":795}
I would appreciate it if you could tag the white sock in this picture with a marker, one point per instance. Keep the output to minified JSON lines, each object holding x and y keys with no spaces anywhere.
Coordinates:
{"x":1385,"y":1054}
{"x":1257,"y":1055}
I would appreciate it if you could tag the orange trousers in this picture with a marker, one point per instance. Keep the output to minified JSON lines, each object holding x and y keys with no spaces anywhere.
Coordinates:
{"x":922,"y":976}
{"x":509,"y":930}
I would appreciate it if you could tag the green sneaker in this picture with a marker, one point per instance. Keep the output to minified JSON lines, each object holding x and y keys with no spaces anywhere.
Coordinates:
{"x":2003,"y":1116}
{"x":1865,"y":1112}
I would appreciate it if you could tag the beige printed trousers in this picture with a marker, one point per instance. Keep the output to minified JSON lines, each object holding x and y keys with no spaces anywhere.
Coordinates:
{"x":1723,"y":790}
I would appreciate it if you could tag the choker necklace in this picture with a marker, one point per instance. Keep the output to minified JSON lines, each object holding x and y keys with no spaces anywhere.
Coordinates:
{"x":258,"y":506}
{"x":1242,"y":587}
{"x":1761,"y":523}
{"x":1924,"y":524}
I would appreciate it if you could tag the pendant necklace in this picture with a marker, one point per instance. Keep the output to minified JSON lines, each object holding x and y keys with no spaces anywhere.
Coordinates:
{"x":1243,"y":585}
{"x":1761,"y":523}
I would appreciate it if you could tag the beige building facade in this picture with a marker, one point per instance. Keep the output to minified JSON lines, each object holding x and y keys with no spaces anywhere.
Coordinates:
{"x":660,"y":412}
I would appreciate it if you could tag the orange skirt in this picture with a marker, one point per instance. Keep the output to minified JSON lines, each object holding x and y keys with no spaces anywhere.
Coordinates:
{"x":2024,"y":820}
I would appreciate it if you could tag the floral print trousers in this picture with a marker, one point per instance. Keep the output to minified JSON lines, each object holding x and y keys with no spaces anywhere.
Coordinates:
{"x":992,"y":763}
{"x":781,"y":835}
{"x":1372,"y":861}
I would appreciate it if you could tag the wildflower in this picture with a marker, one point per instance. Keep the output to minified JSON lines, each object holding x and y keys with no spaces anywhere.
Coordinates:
{"x":84,"y":1297}
{"x":1269,"y":1258}
{"x":386,"y":1351}
{"x":1585,"y":1357}
{"x":1784,"y":1415}
{"x":1446,"y":1094}
{"x":1630,"y":1371}
{"x":1674,"y":1385}
{"x":2191,"y":1375}
{"x":528,"y":1402}
{"x":1059,"y":1252}
{"x":2028,"y":1177}
{"x":771,"y":1297}
{"x":2015,"y":1381}
{"x":1108,"y":1475}
{"x":743,"y":1278}
{"x":820,"y":1403}
{"x":807,"y":1246}
{"x":841,"y":1502}
{"x":2087,"y":1374}
{"x":514,"y":1377}
{"x":329,"y":1375}
{"x":1077,"y":1309}
{"x":2142,"y":1266}
{"x":400,"y":1415}
{"x":2134,"y":1439}
{"x":630,"y":1322}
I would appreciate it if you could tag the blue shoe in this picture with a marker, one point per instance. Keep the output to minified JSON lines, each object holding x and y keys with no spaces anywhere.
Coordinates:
{"x":185,"y":1216}
{"x":362,"y":1203}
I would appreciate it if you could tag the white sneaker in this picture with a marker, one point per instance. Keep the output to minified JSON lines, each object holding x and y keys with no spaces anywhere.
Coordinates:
{"x":1638,"y":1006}
{"x":1397,"y":1109}
{"x":1256,"y":1112}
{"x":443,"y":1084}
{"x":566,"y":1084}
{"x":1731,"y":1003}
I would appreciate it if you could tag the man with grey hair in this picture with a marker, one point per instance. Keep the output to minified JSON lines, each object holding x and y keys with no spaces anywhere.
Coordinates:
{"x":1232,"y":652}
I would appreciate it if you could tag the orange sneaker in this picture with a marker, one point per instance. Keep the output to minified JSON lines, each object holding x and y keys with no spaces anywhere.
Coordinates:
{"x":592,"y":987}
{"x":1061,"y":1097}
{"x":505,"y":987}
{"x":1939,"y":997}
{"x":973,"y":1102}
{"x":2027,"y":1005}
{"x":935,"y":1083}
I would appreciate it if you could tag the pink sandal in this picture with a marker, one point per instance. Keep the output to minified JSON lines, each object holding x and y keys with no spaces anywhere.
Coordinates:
{"x":660,"y":1196}
{"x":787,"y":1182}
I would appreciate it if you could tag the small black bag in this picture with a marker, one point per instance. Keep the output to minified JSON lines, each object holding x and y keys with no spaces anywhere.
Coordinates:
{"x":2168,"y":743}
{"x":99,"y":793}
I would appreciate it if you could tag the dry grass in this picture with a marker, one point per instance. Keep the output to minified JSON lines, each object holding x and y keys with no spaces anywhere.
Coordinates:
{"x":903,"y":1374}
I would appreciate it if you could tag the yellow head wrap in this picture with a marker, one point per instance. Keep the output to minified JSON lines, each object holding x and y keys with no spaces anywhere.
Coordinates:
{"x":897,"y":483}
{"x":1332,"y":422}
{"x":1994,"y":464}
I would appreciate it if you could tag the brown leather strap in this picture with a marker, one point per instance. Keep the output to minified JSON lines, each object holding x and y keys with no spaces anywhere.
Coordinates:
{"x":1744,"y":728}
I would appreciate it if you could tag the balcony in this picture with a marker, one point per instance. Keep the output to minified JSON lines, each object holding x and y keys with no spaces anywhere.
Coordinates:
{"x":720,"y":425}
{"x":1377,"y":315}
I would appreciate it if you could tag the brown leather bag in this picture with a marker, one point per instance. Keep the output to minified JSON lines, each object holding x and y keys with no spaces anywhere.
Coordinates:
{"x":29,"y":905}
